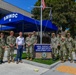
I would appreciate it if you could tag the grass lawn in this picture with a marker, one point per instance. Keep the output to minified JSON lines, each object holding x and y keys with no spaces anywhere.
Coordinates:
{"x":43,"y":61}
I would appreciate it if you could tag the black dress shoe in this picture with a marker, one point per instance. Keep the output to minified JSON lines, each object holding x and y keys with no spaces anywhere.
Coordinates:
{"x":20,"y":61}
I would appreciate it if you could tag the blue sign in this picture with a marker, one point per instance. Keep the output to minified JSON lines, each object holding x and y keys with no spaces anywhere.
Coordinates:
{"x":42,"y":48}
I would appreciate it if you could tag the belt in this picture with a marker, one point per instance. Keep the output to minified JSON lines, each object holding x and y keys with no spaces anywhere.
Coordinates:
{"x":20,"y":45}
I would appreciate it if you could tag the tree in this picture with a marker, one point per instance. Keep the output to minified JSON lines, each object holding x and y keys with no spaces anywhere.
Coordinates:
{"x":63,"y":11}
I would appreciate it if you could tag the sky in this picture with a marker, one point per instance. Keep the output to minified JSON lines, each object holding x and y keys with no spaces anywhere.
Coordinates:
{"x":23,"y":4}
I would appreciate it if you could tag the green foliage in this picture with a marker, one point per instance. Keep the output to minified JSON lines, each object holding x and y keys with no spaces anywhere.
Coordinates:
{"x":63,"y":11}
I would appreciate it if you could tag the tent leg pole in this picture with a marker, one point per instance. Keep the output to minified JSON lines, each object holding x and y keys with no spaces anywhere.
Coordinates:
{"x":23,"y":28}
{"x":1,"y":28}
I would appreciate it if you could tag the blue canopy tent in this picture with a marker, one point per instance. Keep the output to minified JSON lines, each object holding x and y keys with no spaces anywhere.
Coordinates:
{"x":6,"y":28}
{"x":24,"y":23}
{"x":47,"y":24}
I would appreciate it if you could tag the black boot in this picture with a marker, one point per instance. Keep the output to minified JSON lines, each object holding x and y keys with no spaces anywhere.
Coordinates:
{"x":0,"y":62}
{"x":53,"y":57}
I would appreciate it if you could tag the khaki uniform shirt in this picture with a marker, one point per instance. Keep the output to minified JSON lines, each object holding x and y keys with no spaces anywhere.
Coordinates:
{"x":34,"y":39}
{"x":54,"y":42}
{"x":2,"y":42}
{"x":29,"y":41}
{"x":63,"y":45}
{"x":11,"y":40}
{"x":69,"y":42}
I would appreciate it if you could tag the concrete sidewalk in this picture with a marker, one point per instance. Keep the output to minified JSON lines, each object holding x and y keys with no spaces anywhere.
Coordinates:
{"x":33,"y":68}
{"x":64,"y":70}
{"x":20,"y":69}
{"x":29,"y":69}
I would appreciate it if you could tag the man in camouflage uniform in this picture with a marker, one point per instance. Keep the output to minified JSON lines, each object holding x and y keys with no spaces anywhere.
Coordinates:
{"x":54,"y":46}
{"x":2,"y":47}
{"x":34,"y":40}
{"x":11,"y":40}
{"x":59,"y":38}
{"x":75,"y":46}
{"x":69,"y":43}
{"x":29,"y":47}
{"x":63,"y":52}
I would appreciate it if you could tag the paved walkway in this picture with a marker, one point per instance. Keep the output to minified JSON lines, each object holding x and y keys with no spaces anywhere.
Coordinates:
{"x":26,"y":68}
{"x":20,"y":69}
{"x":66,"y":68}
